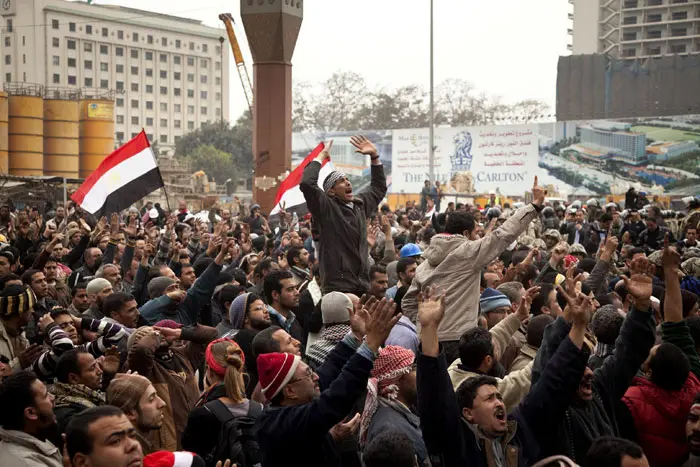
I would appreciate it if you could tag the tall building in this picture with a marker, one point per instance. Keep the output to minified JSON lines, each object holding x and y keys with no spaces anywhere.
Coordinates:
{"x":630,"y":29}
{"x":614,"y":140}
{"x":171,"y":73}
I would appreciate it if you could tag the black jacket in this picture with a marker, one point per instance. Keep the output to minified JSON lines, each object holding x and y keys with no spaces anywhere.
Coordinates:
{"x":343,"y":251}
{"x":447,"y":434}
{"x":573,"y":434}
{"x":299,"y":435}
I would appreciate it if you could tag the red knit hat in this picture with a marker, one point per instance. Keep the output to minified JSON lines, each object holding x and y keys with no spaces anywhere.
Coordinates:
{"x":168,"y":323}
{"x":173,"y":459}
{"x":274,"y":372}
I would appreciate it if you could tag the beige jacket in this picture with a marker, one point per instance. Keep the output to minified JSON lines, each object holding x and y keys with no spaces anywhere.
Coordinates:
{"x":19,"y":449}
{"x":454,"y":263}
{"x":525,"y":356}
{"x":7,"y":350}
{"x":515,"y":386}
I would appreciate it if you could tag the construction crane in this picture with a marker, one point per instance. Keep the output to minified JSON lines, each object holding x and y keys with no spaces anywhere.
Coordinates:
{"x":227,"y":18}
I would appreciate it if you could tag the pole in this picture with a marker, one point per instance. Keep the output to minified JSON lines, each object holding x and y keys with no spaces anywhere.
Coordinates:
{"x":431,"y":135}
{"x":65,"y":192}
{"x":221,"y":82}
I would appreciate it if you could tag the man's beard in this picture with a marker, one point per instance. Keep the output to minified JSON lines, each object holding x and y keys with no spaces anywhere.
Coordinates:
{"x":497,"y":370}
{"x":259,"y":324}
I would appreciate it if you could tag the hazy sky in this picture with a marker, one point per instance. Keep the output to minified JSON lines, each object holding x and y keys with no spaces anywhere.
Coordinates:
{"x":507,"y":48}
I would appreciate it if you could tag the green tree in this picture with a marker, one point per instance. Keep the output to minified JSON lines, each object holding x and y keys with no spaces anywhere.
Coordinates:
{"x":216,"y":164}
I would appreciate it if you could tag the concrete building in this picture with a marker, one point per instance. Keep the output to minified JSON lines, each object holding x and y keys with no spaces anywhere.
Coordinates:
{"x":172,"y":72}
{"x":665,"y":150}
{"x":632,"y":29}
{"x":615,"y":141}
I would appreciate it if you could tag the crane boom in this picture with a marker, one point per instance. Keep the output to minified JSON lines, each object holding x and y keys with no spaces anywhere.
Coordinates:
{"x":227,"y":19}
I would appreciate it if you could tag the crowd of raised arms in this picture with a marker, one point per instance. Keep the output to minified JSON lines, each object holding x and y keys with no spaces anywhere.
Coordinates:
{"x":356,"y":335}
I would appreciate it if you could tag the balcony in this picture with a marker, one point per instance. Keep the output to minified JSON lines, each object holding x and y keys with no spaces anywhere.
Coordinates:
{"x":654,"y":35}
{"x":654,"y":18}
{"x":629,"y":20}
{"x":628,"y":4}
{"x":679,"y":16}
{"x":629,"y":53}
{"x":629,"y":36}
{"x":679,"y":32}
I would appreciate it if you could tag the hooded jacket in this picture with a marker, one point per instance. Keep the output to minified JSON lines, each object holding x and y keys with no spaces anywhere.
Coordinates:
{"x":343,"y":250}
{"x":454,"y":262}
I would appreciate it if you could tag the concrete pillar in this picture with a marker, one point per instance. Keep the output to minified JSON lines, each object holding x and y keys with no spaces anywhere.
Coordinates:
{"x":272,"y":28}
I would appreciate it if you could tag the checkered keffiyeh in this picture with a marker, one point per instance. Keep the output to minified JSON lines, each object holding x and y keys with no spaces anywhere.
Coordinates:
{"x":331,"y":180}
{"x":691,"y":267}
{"x":392,"y":363}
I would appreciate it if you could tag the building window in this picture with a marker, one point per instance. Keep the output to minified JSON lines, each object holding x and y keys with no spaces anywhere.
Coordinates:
{"x":190,"y":93}
{"x":88,"y":64}
{"x":104,"y":66}
{"x":54,"y":23}
{"x":71,"y":27}
{"x":104,"y":84}
{"x":120,"y":119}
{"x":120,"y":68}
{"x":135,"y":120}
{"x":105,"y":32}
{"x":149,"y":105}
{"x":163,"y":106}
{"x":149,"y":55}
{"x":104,"y":50}
{"x":164,"y":41}
{"x":149,"y":89}
{"x":190,"y":77}
{"x":88,"y":29}
{"x":120,"y":134}
{"x":163,"y":58}
{"x":190,"y":61}
{"x":135,"y":36}
{"x":149,"y":121}
{"x":217,"y":96}
{"x":218,"y":81}
{"x":177,"y":123}
{"x":178,"y":43}
{"x":149,"y":39}
{"x":176,"y":60}
{"x":203,"y":110}
{"x":177,"y":108}
{"x":56,"y":60}
{"x":134,"y":70}
{"x":120,"y":85}
{"x":149,"y":136}
{"x":120,"y":35}
{"x":164,"y":123}
{"x":72,"y":63}
{"x":163,"y":90}
{"x":88,"y":82}
{"x":134,"y":135}
{"x":149,"y":72}
{"x":55,"y":41}
{"x":134,"y":53}
{"x":205,"y":63}
{"x":191,"y":45}
{"x":176,"y":92}
{"x":203,"y":95}
{"x":176,"y":76}
{"x":87,"y":47}
{"x":678,"y":49}
{"x":218,"y":111}
{"x":203,"y":79}
{"x":190,"y":109}
{"x":163,"y":74}
{"x":8,"y":77}
{"x":134,"y":104}
{"x":56,"y":78}
{"x":23,"y":41}
{"x":190,"y":125}
{"x":163,"y":138}
{"x":217,"y":65}
{"x":72,"y":80}
{"x":71,"y":44}
{"x":679,"y":15}
{"x":119,"y":51}
{"x":205,"y":48}
{"x":135,"y":87}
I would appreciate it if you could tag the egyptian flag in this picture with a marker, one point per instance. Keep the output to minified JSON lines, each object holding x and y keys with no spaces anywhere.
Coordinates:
{"x":289,"y":192}
{"x":124,"y":177}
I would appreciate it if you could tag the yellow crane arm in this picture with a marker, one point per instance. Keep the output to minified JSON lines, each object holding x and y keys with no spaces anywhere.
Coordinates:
{"x":227,"y":19}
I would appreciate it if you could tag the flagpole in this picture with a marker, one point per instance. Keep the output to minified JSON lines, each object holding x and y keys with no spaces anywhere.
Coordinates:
{"x":431,"y":131}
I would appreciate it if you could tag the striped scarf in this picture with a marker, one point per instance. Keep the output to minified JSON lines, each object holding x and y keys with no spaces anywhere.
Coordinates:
{"x":326,"y":342}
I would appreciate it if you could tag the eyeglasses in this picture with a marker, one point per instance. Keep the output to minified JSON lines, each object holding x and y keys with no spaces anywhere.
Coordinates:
{"x":309,"y":374}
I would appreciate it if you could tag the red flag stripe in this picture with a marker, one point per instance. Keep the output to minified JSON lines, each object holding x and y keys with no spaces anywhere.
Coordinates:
{"x":294,"y":178}
{"x":135,"y":146}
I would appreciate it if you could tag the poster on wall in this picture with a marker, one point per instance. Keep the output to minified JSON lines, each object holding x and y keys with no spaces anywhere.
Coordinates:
{"x":467,"y":159}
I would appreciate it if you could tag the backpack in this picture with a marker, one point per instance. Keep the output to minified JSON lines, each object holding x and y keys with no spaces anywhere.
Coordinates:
{"x":237,"y":437}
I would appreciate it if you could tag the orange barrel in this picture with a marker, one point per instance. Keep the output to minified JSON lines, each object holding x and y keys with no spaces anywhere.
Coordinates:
{"x":61,"y":132}
{"x":4,"y":160}
{"x":26,"y":135}
{"x":96,"y":133}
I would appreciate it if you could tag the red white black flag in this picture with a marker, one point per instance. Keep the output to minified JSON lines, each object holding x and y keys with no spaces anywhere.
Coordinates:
{"x":124,"y":177}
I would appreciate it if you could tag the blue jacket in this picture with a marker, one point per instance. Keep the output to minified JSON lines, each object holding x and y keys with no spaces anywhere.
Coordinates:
{"x":299,"y":435}
{"x":187,"y":313}
{"x":448,"y":436}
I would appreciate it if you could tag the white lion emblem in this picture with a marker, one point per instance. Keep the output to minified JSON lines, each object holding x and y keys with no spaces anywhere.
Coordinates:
{"x":462,"y":159}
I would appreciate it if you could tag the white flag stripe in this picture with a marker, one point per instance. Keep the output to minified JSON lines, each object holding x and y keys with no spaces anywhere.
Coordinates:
{"x":118,"y":176}
{"x":294,"y":196}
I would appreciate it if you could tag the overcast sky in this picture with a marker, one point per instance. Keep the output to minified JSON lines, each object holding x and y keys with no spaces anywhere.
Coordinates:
{"x":507,"y":48}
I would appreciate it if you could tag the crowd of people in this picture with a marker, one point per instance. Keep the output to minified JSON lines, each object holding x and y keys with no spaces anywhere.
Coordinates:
{"x":502,"y":335}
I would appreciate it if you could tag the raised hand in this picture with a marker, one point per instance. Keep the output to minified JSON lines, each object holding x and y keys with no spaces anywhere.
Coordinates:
{"x":581,"y":310}
{"x":170,"y":335}
{"x":526,"y":302}
{"x":364,"y":146}
{"x":431,"y":307}
{"x":344,"y":430}
{"x":381,"y":320}
{"x":372,"y":231}
{"x":640,"y":286}
{"x":669,"y":256}
{"x":131,"y":230}
{"x":44,"y":322}
{"x":114,"y":223}
{"x":282,"y":262}
{"x":538,"y":193}
{"x":111,"y":360}
{"x":325,"y":153}
{"x":29,"y":356}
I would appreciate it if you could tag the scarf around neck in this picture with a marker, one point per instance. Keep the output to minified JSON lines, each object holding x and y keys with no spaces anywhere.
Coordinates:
{"x":68,"y":394}
{"x":326,"y":342}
